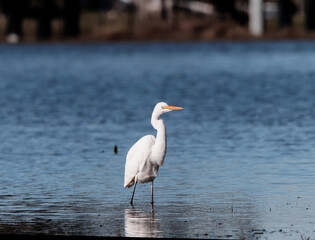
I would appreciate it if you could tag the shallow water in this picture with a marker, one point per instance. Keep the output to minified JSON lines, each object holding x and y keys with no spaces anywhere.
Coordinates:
{"x":240,"y":158}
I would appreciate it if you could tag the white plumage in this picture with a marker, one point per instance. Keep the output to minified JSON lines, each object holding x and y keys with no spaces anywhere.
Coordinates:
{"x":146,"y":156}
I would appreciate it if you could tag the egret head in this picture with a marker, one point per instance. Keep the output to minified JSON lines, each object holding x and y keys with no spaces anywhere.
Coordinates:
{"x":161,"y":108}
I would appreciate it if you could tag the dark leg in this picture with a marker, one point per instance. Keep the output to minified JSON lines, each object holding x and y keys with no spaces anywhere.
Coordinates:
{"x":133,"y":193}
{"x":152,"y":192}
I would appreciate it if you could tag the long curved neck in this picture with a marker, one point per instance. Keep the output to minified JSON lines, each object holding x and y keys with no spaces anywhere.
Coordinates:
{"x":159,"y":149}
{"x":155,"y":119}
{"x":159,"y":125}
{"x":160,"y":133}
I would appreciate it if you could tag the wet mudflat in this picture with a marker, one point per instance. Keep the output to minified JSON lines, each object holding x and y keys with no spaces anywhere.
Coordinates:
{"x":240,"y":158}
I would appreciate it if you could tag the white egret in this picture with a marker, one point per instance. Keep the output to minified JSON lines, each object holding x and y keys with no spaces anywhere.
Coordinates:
{"x":146,"y":156}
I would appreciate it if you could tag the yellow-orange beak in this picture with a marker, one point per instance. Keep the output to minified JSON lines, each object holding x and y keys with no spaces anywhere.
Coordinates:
{"x":172,"y":108}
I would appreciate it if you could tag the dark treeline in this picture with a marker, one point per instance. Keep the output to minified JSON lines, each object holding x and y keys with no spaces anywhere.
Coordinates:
{"x":45,"y":10}
{"x":69,"y":11}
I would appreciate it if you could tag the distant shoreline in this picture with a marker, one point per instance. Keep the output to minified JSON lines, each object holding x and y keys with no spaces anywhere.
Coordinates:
{"x":144,"y":41}
{"x":191,"y":29}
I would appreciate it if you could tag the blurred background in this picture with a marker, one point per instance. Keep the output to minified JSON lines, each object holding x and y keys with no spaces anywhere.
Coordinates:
{"x":111,"y":20}
{"x":240,"y":159}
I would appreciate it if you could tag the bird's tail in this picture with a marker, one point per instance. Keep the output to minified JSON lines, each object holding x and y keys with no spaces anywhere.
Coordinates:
{"x":128,"y":184}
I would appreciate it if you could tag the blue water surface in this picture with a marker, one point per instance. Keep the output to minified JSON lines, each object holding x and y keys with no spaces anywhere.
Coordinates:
{"x":240,"y":159}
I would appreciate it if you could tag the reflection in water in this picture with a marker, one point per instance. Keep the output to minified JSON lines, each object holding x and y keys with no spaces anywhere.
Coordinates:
{"x":141,"y":224}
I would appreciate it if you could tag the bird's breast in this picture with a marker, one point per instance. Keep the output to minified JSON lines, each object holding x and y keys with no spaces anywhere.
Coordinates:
{"x":158,"y":154}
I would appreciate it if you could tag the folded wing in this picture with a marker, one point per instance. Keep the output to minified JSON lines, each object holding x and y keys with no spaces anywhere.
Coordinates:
{"x":137,"y":157}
